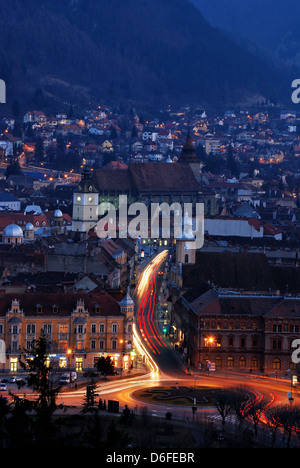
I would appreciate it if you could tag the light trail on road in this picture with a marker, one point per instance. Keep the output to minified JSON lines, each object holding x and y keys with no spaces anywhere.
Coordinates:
{"x":146,"y":294}
{"x":160,"y":371}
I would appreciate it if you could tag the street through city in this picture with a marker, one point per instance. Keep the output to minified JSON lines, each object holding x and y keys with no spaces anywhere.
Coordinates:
{"x":160,"y":365}
{"x":164,"y":366}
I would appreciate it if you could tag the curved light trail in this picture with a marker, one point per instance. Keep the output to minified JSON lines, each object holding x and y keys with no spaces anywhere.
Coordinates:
{"x":147,"y":294}
{"x":148,"y":343}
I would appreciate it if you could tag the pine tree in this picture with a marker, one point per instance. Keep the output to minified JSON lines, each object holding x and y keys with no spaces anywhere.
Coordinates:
{"x":36,"y":360}
{"x":90,"y":397}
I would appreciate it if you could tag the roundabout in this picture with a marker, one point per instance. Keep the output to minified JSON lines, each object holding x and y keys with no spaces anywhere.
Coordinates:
{"x":177,"y":396}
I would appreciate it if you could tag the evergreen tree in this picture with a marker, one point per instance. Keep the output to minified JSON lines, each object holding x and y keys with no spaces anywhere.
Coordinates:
{"x":13,"y":168}
{"x":40,"y":380}
{"x":90,"y":397}
{"x":105,"y":365}
{"x":232,"y":163}
{"x":134,"y":132}
{"x":39,"y":151}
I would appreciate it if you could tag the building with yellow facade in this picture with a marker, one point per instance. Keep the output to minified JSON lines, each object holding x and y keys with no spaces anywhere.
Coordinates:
{"x":80,"y":328}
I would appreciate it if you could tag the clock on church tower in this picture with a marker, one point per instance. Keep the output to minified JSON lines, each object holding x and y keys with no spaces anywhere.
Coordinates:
{"x":85,"y":204}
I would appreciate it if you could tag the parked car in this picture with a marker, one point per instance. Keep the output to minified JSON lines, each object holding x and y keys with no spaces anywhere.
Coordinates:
{"x":65,"y":378}
{"x":3,"y":387}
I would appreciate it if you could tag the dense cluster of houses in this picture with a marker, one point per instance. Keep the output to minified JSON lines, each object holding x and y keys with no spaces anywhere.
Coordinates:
{"x":242,"y":165}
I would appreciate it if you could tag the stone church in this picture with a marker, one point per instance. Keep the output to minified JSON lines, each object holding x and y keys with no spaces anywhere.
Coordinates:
{"x":149,"y":182}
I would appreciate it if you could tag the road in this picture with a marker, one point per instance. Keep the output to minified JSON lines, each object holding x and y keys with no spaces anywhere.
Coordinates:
{"x":164,"y":365}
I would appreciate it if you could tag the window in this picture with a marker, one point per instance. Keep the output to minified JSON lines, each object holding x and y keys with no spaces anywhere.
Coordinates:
{"x":79,"y":345}
{"x":276,"y":344}
{"x":230,"y":361}
{"x":254,"y":342}
{"x":242,"y":361}
{"x":114,"y":344}
{"x":114,"y":328}
{"x":63,"y":345}
{"x":47,"y":328}
{"x":30,"y":328}
{"x":254,"y":363}
{"x":93,"y":328}
{"x":102,"y":328}
{"x":101,"y":344}
{"x":218,"y":362}
{"x":93,"y":344}
{"x":276,"y":365}
{"x":63,"y":328}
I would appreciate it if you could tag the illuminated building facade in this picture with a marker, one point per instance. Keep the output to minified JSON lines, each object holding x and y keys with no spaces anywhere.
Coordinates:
{"x":79,"y":328}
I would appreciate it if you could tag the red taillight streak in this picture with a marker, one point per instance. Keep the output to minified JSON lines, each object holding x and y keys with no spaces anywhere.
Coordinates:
{"x":141,"y":313}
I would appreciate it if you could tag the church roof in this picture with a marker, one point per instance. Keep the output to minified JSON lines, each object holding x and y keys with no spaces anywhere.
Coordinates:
{"x":114,"y":180}
{"x":150,"y":177}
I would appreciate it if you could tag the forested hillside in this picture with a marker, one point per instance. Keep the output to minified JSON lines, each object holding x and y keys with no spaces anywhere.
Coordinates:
{"x":147,"y":50}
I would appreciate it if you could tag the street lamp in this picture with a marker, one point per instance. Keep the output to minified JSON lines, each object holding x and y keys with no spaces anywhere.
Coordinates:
{"x":69,"y":353}
{"x":209,"y":340}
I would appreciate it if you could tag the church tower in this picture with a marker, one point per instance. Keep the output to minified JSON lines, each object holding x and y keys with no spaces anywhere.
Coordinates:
{"x":85,"y":204}
{"x":185,"y":244}
{"x":189,"y":156}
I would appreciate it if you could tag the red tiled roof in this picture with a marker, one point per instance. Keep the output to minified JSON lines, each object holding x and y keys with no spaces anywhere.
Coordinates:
{"x":64,"y":302}
{"x":21,"y":220}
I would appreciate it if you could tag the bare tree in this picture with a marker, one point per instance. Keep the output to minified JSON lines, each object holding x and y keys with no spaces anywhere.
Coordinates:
{"x":224,"y":403}
{"x":288,"y":417}
{"x":273,"y":422}
{"x":255,"y":411}
{"x":241,"y":397}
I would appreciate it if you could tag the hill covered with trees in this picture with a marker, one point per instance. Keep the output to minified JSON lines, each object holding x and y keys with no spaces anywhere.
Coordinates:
{"x":144,"y":50}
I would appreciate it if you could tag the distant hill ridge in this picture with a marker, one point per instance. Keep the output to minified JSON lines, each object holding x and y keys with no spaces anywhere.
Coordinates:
{"x":147,"y":50}
{"x":271,"y":24}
